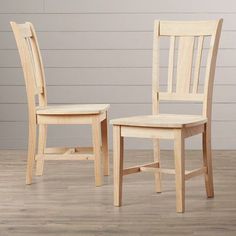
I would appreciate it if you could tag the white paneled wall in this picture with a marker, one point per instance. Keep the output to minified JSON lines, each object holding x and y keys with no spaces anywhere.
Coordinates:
{"x":103,"y":48}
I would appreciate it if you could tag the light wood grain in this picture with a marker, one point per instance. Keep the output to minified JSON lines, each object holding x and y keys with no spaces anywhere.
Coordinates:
{"x":72,"y":109}
{"x":195,"y":173}
{"x":161,"y":120}
{"x":157,"y":158}
{"x":184,"y":64}
{"x":171,"y":63}
{"x":118,"y":149}
{"x":42,"y":143}
{"x":136,"y":169}
{"x":179,"y":170}
{"x":188,"y":28}
{"x":105,"y":149}
{"x":171,"y":126}
{"x":207,"y":160}
{"x":198,"y":64}
{"x":96,"y":131}
{"x":64,"y":157}
{"x":67,"y":203}
{"x":41,"y":114}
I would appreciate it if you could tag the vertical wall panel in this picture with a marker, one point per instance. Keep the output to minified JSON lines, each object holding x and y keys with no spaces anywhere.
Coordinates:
{"x":104,"y":48}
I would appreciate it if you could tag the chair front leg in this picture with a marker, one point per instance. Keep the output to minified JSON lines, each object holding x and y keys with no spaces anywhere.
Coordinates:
{"x":42,"y":137}
{"x":31,"y":151}
{"x":207,"y":160}
{"x":96,"y":130}
{"x":179,"y":170}
{"x":105,"y":151}
{"x":118,"y":149}
{"x":156,"y":153}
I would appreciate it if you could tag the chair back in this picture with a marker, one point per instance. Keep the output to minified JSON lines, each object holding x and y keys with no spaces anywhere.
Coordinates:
{"x":32,"y":65}
{"x":187,"y":58}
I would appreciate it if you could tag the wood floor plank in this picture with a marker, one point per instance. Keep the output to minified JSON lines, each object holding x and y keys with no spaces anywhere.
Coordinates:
{"x":64,"y":200}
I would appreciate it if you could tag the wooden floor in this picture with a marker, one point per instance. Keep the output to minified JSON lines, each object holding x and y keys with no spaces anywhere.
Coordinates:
{"x":65,"y":202}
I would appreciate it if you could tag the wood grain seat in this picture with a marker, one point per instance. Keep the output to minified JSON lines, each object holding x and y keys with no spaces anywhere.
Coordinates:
{"x":162,"y":120}
{"x":72,"y":109}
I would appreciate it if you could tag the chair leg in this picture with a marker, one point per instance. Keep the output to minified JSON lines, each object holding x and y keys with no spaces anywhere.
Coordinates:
{"x":156,"y":152}
{"x":179,"y":171}
{"x":42,"y":137}
{"x":96,"y":130}
{"x":105,"y":150}
{"x":207,"y":161}
{"x":118,"y":150}
{"x":31,"y":152}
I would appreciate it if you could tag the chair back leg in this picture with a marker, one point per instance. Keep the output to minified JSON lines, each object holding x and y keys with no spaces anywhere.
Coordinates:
{"x":42,"y":137}
{"x":207,"y":161}
{"x":31,"y":151}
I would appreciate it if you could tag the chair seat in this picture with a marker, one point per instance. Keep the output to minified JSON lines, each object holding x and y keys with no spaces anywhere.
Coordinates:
{"x":80,"y":109}
{"x":161,"y":120}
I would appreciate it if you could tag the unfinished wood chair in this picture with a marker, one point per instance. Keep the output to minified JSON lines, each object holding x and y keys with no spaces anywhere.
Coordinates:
{"x":42,"y":115}
{"x":190,"y":37}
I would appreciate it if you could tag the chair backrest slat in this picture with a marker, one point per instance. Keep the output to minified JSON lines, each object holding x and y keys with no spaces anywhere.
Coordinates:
{"x":184,"y":64}
{"x":198,"y":64}
{"x":171,"y":64}
{"x":188,"y":63}
{"x":31,"y":61}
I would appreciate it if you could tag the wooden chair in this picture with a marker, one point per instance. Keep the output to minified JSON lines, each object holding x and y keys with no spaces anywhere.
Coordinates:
{"x":43,"y":115}
{"x":174,"y":126}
